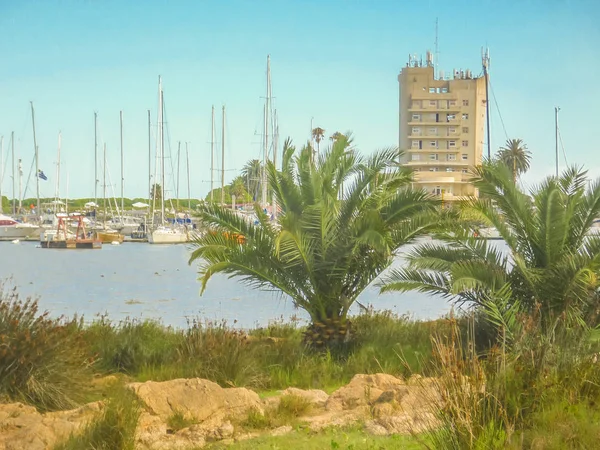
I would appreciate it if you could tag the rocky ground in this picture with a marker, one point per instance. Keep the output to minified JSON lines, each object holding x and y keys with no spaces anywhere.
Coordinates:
{"x":382,"y":403}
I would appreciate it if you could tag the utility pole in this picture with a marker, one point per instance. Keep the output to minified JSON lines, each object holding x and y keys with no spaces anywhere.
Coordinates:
{"x":556,"y":110}
{"x":212,"y":154}
{"x":223,"y":159}
{"x":122,"y":163}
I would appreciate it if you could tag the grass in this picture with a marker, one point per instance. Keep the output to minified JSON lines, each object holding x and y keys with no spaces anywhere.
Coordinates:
{"x":113,"y":430}
{"x":178,"y":421}
{"x":333,"y":438}
{"x":289,"y":409}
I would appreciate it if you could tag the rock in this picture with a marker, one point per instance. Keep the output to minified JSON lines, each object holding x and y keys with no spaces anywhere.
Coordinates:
{"x":23,"y":427}
{"x":315,"y":397}
{"x":281,"y":431}
{"x":403,"y":423}
{"x":362,"y":390}
{"x":195,"y":398}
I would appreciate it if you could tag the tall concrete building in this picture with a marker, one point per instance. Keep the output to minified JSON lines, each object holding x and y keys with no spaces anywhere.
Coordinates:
{"x":441,"y":126}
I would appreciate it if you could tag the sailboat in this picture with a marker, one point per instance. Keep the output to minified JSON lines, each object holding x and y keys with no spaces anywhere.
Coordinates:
{"x":103,"y":233}
{"x":165,"y":233}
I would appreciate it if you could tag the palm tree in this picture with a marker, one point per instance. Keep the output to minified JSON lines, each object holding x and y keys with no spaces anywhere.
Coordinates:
{"x":318,"y":134}
{"x":325,"y":249}
{"x":552,"y":267}
{"x":516,"y":156}
{"x":251,"y":173}
{"x":336,"y":136}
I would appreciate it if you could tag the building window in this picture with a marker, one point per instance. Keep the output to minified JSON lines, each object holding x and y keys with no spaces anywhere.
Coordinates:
{"x":465,"y":171}
{"x":465,"y":143}
{"x":437,"y":190}
{"x":433,"y":144}
{"x":451,"y":102}
{"x":433,"y":169}
{"x":416,"y":130}
{"x":465,"y":116}
{"x":451,"y":144}
{"x":451,"y":131}
{"x":444,"y":90}
{"x":433,"y":131}
{"x":465,"y":129}
{"x":432,"y":103}
{"x":465,"y":102}
{"x":414,"y":157}
{"x":432,"y":90}
{"x":451,"y":157}
{"x":449,"y":169}
{"x":450,"y":117}
{"x":415,"y":144}
{"x":433,"y":156}
{"x":465,"y":156}
{"x":416,"y":103}
{"x":416,"y":117}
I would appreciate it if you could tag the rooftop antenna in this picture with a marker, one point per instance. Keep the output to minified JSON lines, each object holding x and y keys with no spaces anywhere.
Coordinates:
{"x":485,"y":61}
{"x":437,"y":50}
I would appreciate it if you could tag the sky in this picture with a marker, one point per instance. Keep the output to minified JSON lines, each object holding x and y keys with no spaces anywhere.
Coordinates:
{"x":333,"y":63}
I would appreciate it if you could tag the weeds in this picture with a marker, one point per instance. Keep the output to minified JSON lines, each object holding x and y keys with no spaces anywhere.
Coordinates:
{"x":178,"y":421}
{"x":42,"y":360}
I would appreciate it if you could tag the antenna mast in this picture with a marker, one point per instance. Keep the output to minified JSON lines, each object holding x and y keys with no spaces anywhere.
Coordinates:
{"x":485,"y":60}
{"x":437,"y":50}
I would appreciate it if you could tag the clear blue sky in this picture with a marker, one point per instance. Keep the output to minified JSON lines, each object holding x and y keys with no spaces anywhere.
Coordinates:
{"x":336,"y":61}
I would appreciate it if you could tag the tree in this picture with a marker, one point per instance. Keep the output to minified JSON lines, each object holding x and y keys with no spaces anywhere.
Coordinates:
{"x":318,"y":134}
{"x":336,"y":136}
{"x":156,"y":193}
{"x":551,"y":269}
{"x":252,"y":173}
{"x":516,"y":156}
{"x":326,"y":248}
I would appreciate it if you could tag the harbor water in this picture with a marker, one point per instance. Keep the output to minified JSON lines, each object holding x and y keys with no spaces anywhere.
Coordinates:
{"x":143,"y":281}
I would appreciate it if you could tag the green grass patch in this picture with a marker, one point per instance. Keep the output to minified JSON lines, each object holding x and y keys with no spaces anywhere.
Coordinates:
{"x":178,"y":421}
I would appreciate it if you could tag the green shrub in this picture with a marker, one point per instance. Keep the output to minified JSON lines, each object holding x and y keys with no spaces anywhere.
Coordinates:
{"x":42,"y":360}
{"x":114,"y":429}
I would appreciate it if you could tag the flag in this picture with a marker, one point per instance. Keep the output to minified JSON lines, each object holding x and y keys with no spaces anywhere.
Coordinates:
{"x":42,"y":175}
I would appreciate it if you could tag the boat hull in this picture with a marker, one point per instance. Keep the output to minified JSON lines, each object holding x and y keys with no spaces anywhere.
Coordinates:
{"x":72,"y":244}
{"x":108,"y":238}
{"x":168,"y":237}
{"x":22,"y":231}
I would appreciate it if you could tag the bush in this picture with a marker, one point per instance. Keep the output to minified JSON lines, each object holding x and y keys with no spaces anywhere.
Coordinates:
{"x":42,"y":360}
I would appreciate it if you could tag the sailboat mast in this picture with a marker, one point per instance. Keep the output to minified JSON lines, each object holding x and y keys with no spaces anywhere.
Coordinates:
{"x":223,"y":158}
{"x":122,"y":163}
{"x":162,"y":154}
{"x":178,"y":157}
{"x":57,"y":194}
{"x":212,"y":154}
{"x":275,"y":145}
{"x":20,"y":185}
{"x":149,"y":163}
{"x":187,"y":158}
{"x":12,"y":152}
{"x":37,"y":165}
{"x":1,"y":170}
{"x":266,"y":137}
{"x":95,"y":159}
{"x":104,"y":187}
{"x":556,"y":109}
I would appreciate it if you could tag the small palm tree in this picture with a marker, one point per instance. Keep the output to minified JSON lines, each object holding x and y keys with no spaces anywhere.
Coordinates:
{"x":326,"y":248}
{"x":252,"y":173}
{"x":552,"y":265}
{"x":516,"y":156}
{"x":318,"y":134}
{"x":337,"y":136}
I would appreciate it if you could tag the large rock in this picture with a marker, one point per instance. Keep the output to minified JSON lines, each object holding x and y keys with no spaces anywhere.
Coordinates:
{"x":364,"y":390}
{"x":202,"y":402}
{"x":196,"y":399}
{"x":315,"y":397}
{"x":23,"y":427}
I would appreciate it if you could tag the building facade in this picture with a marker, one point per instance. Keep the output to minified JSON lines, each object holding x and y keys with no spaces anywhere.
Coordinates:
{"x":441,"y":127}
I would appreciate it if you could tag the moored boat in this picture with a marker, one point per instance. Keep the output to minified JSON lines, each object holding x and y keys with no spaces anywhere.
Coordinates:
{"x":109,"y":236}
{"x":64,"y":239}
{"x":10,"y":229}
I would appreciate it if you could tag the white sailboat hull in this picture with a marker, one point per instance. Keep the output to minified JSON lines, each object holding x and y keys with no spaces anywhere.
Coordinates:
{"x":20,"y":231}
{"x":165,"y":235}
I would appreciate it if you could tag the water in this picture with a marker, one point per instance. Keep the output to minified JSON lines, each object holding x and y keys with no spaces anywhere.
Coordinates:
{"x":155,"y":282}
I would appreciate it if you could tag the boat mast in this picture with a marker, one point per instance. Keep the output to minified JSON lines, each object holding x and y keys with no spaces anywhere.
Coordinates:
{"x":212,"y":154}
{"x":556,"y":110}
{"x":37,"y":166}
{"x":178,"y":156}
{"x":20,"y":185}
{"x":12,"y":144}
{"x":223,"y":159}
{"x":149,"y":165}
{"x":275,"y":144}
{"x":57,"y":194}
{"x":162,"y":153}
{"x":95,"y":159}
{"x":1,"y":170}
{"x":486,"y":61}
{"x":266,"y":138}
{"x":104,"y":187}
{"x":187,"y":157}
{"x":122,"y":163}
